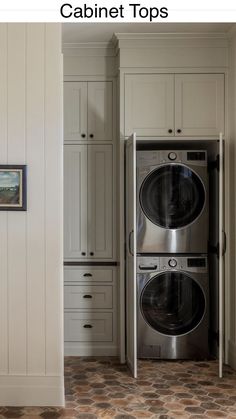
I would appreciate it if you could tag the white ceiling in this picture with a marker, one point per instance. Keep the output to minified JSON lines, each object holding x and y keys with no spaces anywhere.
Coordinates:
{"x":102,"y":32}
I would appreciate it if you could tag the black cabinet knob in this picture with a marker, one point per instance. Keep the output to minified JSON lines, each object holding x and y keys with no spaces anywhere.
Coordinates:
{"x":170,"y":131}
{"x":83,"y":135}
{"x":91,"y":253}
{"x":91,"y":135}
{"x":179,"y":131}
{"x":83,"y":254}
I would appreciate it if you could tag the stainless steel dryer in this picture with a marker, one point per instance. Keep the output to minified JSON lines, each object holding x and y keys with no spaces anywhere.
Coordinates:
{"x":173,"y":296}
{"x":172,"y":201}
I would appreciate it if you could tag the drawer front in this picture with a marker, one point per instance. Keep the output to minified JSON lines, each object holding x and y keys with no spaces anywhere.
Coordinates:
{"x":75,"y":274}
{"x":88,"y":296}
{"x":88,"y":327}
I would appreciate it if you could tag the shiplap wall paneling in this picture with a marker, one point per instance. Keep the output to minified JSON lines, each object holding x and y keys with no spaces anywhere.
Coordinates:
{"x":54,"y":200}
{"x":17,"y":269}
{"x":35,"y":149}
{"x":31,"y":260}
{"x":3,"y":214}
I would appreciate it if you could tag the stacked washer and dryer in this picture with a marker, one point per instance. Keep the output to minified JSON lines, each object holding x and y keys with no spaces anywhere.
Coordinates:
{"x":172,"y":246}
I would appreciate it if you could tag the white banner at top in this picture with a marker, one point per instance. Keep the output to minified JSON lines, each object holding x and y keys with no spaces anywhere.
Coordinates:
{"x":117,"y":11}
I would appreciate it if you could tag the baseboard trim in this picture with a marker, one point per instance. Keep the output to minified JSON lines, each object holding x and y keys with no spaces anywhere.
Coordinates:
{"x":18,"y":390}
{"x":232,"y":354}
{"x":90,"y":350}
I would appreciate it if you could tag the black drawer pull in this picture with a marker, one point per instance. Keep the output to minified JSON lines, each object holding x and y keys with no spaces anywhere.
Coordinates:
{"x":87,"y":296}
{"x":86,"y":275}
{"x":87,"y":326}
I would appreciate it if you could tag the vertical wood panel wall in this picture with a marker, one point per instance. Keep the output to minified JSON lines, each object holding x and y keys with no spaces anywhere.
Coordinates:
{"x":31,"y":309}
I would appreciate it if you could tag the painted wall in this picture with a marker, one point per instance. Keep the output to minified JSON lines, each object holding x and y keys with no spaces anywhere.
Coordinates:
{"x":31,"y":308}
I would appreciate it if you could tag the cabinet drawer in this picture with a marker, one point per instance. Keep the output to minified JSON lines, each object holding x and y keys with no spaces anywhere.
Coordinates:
{"x":88,"y":327}
{"x":75,"y":274}
{"x":88,"y":296}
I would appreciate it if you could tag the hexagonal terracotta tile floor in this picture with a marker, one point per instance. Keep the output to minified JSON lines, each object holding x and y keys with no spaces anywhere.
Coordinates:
{"x":102,"y":388}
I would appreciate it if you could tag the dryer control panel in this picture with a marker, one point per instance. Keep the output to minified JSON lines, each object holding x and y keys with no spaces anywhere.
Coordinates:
{"x":162,"y":263}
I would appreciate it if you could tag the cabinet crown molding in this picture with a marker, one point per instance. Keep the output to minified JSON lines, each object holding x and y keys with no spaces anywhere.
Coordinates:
{"x":155,"y":40}
{"x":105,"y":49}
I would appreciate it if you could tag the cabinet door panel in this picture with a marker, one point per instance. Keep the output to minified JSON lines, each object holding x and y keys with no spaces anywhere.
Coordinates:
{"x":100,"y":113}
{"x":199,"y":104}
{"x":100,"y":201}
{"x":75,"y":111}
{"x":149,"y":104}
{"x":75,"y":201}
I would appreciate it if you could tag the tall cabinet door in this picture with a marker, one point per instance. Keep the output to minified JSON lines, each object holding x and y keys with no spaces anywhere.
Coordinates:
{"x":75,"y":111}
{"x":199,"y":104}
{"x":149,"y":104}
{"x":100,"y":201}
{"x":131,"y":287}
{"x":75,"y":201}
{"x":100,"y":112}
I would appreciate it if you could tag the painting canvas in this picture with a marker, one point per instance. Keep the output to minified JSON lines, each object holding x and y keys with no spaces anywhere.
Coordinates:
{"x":13,"y":187}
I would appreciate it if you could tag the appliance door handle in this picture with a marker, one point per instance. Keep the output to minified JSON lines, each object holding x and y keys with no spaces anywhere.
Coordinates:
{"x":130,"y":236}
{"x":224,"y":247}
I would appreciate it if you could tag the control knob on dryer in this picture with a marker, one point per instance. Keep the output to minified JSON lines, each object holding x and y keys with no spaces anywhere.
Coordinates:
{"x":172,"y":263}
{"x":172,"y":155}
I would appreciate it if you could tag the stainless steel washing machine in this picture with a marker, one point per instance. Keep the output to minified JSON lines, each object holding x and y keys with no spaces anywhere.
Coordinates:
{"x":172,"y":201}
{"x":173,"y":312}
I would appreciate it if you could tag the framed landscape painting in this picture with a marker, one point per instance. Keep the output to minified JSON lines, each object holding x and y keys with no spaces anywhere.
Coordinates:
{"x":12,"y":187}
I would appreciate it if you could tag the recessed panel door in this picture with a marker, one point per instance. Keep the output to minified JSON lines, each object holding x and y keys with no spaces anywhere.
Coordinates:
{"x":149,"y":104}
{"x":75,"y":111}
{"x":75,"y":201}
{"x":100,"y":201}
{"x":100,"y":113}
{"x":199,"y":104}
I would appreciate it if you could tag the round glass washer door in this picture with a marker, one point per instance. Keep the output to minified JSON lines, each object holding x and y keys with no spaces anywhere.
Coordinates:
{"x":172,"y":196}
{"x":172,"y":303}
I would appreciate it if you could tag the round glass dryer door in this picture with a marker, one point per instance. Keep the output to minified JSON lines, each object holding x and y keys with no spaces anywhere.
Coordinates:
{"x":172,"y":303}
{"x":172,"y":196}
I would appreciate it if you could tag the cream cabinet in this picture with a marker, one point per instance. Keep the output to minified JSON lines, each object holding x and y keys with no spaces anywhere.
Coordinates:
{"x":174,"y":104}
{"x":88,"y":202}
{"x":88,"y":111}
{"x":90,"y":310}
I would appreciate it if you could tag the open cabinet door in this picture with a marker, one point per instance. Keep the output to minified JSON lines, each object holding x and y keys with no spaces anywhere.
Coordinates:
{"x":131,"y":294}
{"x":222,"y":248}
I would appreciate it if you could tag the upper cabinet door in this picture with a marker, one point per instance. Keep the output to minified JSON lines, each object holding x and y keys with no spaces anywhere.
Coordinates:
{"x":199,"y":104}
{"x":149,"y":104}
{"x":100,"y":113}
{"x":100,"y":200}
{"x":75,"y":111}
{"x":75,"y":201}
